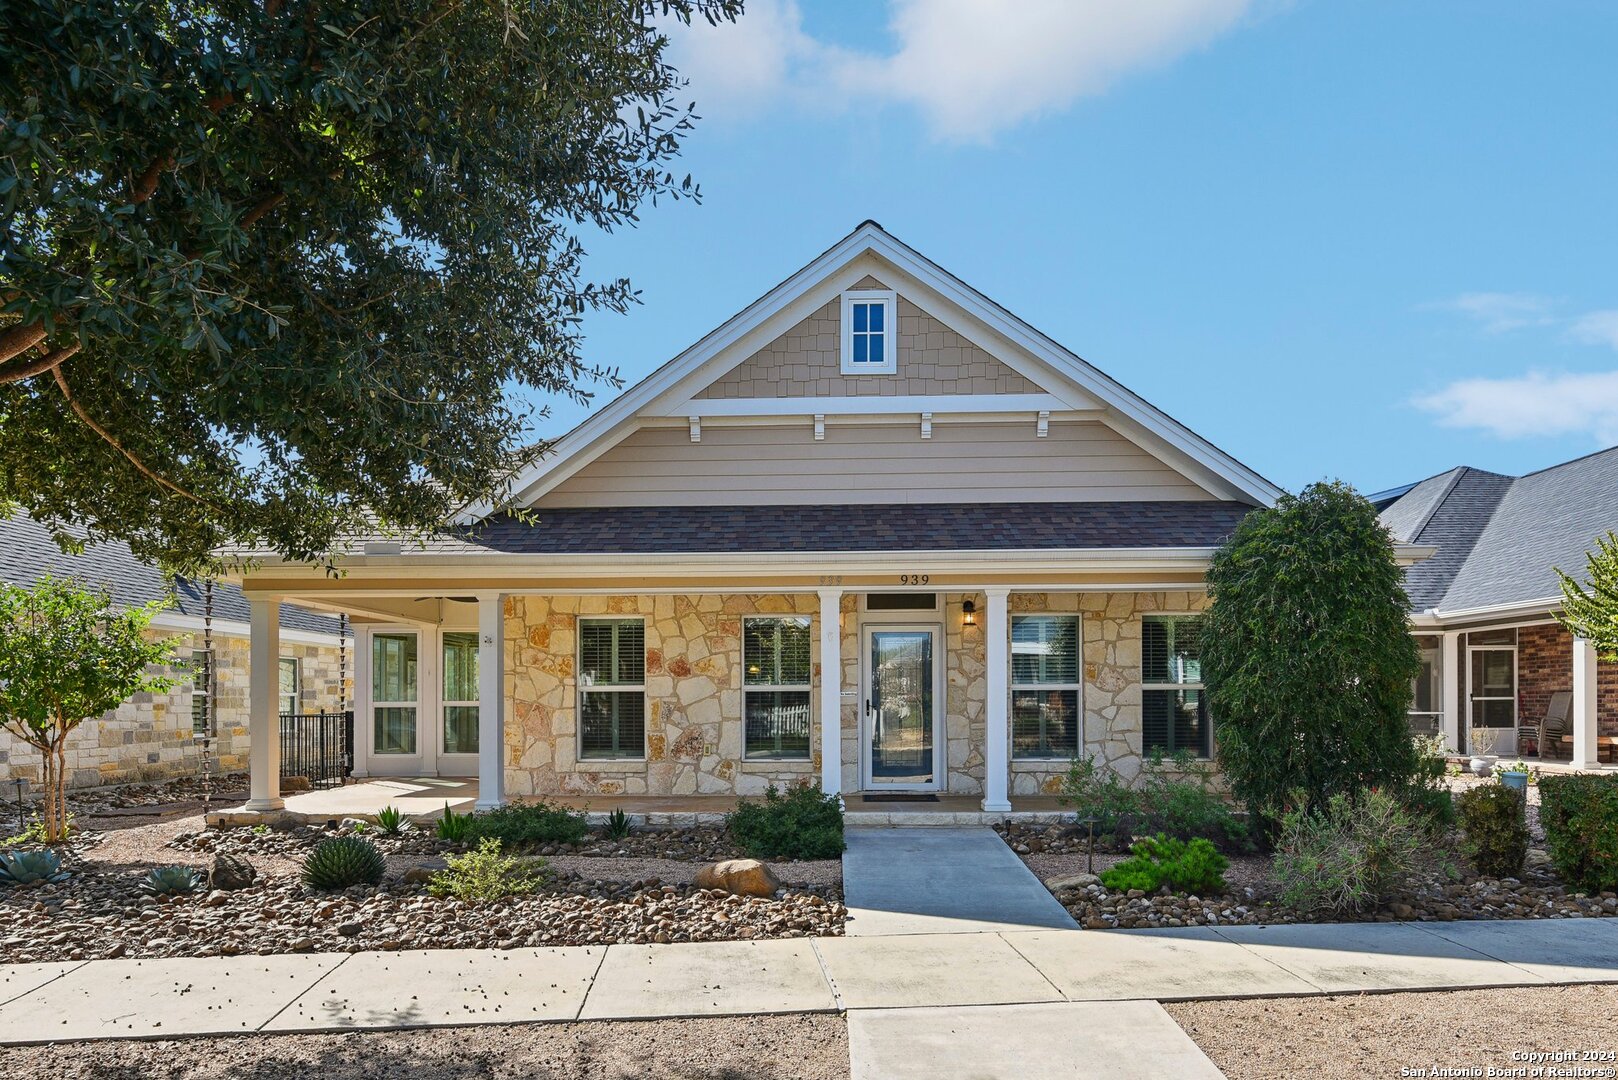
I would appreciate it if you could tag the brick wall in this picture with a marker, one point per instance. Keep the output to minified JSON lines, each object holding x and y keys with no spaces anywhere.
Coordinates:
{"x":1545,"y":666}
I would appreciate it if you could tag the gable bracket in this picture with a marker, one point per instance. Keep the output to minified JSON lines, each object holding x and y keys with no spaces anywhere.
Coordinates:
{"x":1044,"y":427}
{"x":926,"y":425}
{"x":696,"y":428}
{"x":820,"y":427}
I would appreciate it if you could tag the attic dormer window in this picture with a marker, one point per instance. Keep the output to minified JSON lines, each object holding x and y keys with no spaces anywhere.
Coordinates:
{"x":870,"y":345}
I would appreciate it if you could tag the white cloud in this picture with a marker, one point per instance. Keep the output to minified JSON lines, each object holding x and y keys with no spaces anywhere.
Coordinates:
{"x":1596,"y":328}
{"x":1499,"y":312}
{"x":970,"y":67}
{"x":1536,"y":404}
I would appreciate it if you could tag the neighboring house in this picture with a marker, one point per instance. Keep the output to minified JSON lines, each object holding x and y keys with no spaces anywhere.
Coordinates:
{"x":1495,"y":663}
{"x":151,"y":737}
{"x":874,"y":531}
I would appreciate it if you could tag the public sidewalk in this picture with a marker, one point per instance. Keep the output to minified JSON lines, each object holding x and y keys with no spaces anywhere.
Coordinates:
{"x":102,"y":999}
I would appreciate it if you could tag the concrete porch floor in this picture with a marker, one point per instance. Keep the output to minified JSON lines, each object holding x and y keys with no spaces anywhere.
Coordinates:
{"x":425,"y":798}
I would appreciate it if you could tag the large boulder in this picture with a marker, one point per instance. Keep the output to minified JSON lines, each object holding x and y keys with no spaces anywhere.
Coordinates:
{"x":744,"y":877}
{"x":1072,"y":881}
{"x":230,"y":872}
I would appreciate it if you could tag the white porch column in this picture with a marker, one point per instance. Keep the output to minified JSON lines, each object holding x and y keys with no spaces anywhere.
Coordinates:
{"x":491,"y":701}
{"x":1584,"y":704}
{"x":831,"y":691}
{"x":264,"y":704}
{"x":997,"y":743}
{"x":1449,"y":676}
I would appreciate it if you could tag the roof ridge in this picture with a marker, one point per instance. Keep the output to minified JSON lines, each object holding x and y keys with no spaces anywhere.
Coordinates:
{"x":1569,"y":461}
{"x":1455,"y":475}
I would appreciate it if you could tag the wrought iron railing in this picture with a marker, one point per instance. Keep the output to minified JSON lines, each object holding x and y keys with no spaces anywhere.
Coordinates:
{"x":318,"y":746}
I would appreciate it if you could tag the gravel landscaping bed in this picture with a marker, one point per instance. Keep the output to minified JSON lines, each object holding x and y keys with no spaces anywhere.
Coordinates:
{"x":1250,"y":897}
{"x":1378,"y":1034}
{"x":586,"y":899}
{"x":761,"y":1047}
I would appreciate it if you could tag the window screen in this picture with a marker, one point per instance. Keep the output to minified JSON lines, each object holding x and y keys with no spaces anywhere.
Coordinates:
{"x":1174,"y":707}
{"x":612,"y":688}
{"x":1045,"y":686}
{"x":776,"y":673}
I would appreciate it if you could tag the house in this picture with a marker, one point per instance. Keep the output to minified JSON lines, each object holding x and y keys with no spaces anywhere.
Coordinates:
{"x":1495,"y":662}
{"x":874,"y":532}
{"x":152,"y":737}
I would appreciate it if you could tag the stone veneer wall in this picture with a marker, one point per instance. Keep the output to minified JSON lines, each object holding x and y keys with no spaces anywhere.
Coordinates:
{"x":694,"y":691}
{"x":693,"y":697}
{"x":148,"y":738}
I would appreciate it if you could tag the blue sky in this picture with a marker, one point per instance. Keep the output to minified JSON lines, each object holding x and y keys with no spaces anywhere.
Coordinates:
{"x":1367,"y":240}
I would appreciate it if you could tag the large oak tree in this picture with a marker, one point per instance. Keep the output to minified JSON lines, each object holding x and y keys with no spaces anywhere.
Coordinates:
{"x":271,"y":271}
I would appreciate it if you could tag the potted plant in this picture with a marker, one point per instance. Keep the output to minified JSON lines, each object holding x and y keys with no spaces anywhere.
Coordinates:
{"x":1483,"y":750}
{"x":1513,"y":775}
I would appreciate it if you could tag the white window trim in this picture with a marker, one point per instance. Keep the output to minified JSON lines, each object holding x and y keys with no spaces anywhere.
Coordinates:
{"x":1078,"y":669}
{"x":423,"y":673}
{"x":806,"y":687}
{"x":1198,"y":685}
{"x":585,"y":687}
{"x":890,"y":332}
{"x":447,"y":703}
{"x":297,"y":684}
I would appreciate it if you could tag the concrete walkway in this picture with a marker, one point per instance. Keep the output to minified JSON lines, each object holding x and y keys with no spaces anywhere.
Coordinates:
{"x":952,"y":974}
{"x":942,"y":881}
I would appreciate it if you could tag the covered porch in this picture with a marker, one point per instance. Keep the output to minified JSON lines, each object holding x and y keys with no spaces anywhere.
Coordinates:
{"x":1523,"y":689}
{"x":930,"y":696}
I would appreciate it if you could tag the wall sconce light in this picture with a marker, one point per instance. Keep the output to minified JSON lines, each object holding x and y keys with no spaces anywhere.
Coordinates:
{"x":969,"y":613}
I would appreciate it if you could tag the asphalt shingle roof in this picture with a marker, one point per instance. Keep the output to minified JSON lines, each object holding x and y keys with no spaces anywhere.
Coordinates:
{"x":28,"y":553}
{"x":1500,"y":538}
{"x":644,"y":530}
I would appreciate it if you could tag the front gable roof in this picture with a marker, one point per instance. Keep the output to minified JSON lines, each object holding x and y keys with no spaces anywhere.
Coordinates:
{"x":1066,"y":382}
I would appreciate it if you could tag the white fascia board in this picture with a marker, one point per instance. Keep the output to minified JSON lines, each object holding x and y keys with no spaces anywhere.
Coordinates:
{"x":900,"y":405}
{"x":1515,"y":609}
{"x":363,"y":570}
{"x":1409,"y":554}
{"x":193,"y":624}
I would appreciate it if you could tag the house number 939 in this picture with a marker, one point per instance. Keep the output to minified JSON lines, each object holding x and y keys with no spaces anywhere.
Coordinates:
{"x":915,"y":579}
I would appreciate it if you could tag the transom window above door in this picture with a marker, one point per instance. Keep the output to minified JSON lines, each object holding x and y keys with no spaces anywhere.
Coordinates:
{"x":870,"y":340}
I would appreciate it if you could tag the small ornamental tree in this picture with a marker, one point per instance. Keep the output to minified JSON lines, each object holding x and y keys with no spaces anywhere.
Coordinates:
{"x":1307,"y":655}
{"x":67,"y":655}
{"x":1591,"y":611}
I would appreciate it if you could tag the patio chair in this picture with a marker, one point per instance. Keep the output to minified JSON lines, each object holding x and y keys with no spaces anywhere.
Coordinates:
{"x":1553,"y":725}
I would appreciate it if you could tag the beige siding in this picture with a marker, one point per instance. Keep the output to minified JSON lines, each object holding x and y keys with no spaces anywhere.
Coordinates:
{"x":870,"y":463}
{"x":806,"y":361}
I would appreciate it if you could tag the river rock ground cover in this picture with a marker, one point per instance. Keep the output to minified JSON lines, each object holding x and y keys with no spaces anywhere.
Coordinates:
{"x":1060,"y":856}
{"x":635,"y":890}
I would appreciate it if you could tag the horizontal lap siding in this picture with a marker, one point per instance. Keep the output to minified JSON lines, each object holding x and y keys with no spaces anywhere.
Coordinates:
{"x":872,"y":463}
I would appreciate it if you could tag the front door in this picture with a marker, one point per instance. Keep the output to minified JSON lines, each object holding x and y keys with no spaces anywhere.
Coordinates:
{"x":900,"y":745}
{"x":1493,"y":693}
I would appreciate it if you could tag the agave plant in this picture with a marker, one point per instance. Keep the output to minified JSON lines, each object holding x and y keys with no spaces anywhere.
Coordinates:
{"x":618,"y":824}
{"x":390,"y":820}
{"x":343,"y":861}
{"x":174,"y":880}
{"x":27,"y":867}
{"x":454,"y":827}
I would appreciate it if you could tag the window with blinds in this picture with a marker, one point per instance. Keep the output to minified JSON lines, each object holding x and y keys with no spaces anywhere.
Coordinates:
{"x":612,"y":688}
{"x":1174,"y":707}
{"x":1046,"y":688}
{"x":201,"y":671}
{"x":776,"y":674}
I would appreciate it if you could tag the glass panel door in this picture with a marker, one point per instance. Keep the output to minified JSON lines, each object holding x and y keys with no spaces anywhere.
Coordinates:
{"x":1492,"y":689}
{"x":458,"y":703}
{"x":393,"y":693}
{"x":900,"y":710}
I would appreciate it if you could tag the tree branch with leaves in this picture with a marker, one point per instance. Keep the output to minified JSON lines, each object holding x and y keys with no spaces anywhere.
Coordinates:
{"x":1590,"y":607}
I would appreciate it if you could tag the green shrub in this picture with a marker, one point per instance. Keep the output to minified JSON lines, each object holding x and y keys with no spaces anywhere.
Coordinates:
{"x":522,"y":825}
{"x":341,"y":862}
{"x":1495,"y":829}
{"x":1350,"y":856}
{"x":1097,"y":791}
{"x":171,"y":881}
{"x":1426,"y":794}
{"x":617,"y":824}
{"x":1177,"y":797}
{"x":1193,"y":866}
{"x":1580,"y":816}
{"x":390,"y":820}
{"x":483,"y":875}
{"x":454,"y":827}
{"x":802,"y":824}
{"x":1307,"y":656}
